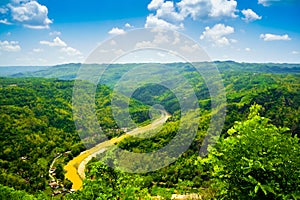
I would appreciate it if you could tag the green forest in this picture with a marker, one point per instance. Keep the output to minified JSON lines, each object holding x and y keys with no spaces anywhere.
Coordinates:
{"x":256,"y":156}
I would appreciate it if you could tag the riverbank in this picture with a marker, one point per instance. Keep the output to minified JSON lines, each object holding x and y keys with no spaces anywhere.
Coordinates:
{"x":76,"y":167}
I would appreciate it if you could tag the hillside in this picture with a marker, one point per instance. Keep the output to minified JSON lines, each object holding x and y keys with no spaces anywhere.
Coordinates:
{"x":69,"y":71}
{"x":37,"y":125}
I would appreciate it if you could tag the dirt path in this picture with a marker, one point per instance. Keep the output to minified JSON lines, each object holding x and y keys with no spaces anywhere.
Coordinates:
{"x":75,"y":168}
{"x":51,"y":166}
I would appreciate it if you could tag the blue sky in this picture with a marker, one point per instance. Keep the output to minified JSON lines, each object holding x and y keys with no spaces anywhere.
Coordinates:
{"x":49,"y":32}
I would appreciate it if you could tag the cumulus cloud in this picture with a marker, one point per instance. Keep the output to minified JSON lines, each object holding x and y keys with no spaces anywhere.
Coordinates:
{"x":194,"y":9}
{"x":5,"y":21}
{"x":223,"y":8}
{"x":199,"y":9}
{"x":29,"y":13}
{"x":272,"y":37}
{"x":167,"y":11}
{"x":55,"y":33}
{"x":127,"y":25}
{"x":70,"y":51}
{"x":10,"y":46}
{"x":168,"y":14}
{"x":247,"y":49}
{"x":267,"y":2}
{"x":263,"y":2}
{"x":117,"y":31}
{"x":250,"y":15}
{"x":295,"y":52}
{"x":160,"y":38}
{"x":155,"y":4}
{"x":217,"y":34}
{"x":153,"y":21}
{"x":57,"y":42}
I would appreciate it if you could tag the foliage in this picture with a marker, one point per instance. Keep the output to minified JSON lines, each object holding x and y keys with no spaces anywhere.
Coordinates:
{"x":36,"y":123}
{"x":257,"y":161}
{"x":106,"y":183}
{"x":7,"y":193}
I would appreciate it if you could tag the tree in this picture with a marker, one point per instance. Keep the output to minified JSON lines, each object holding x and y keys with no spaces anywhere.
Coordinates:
{"x":108,"y":183}
{"x":257,"y":161}
{"x":11,"y":194}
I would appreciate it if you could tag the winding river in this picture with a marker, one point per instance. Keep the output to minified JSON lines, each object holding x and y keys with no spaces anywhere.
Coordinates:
{"x":76,"y":167}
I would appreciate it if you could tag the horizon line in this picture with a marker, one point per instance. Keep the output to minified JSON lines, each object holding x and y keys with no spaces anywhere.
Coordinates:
{"x":126,"y":63}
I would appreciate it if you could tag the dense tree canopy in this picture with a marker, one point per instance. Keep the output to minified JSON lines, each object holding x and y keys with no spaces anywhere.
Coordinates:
{"x":257,"y":161}
{"x":254,"y":158}
{"x":36,"y":123}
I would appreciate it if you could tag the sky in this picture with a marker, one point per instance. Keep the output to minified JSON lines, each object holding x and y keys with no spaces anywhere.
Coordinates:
{"x":50,"y":32}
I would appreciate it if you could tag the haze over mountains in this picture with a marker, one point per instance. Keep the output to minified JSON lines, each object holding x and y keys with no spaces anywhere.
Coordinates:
{"x":69,"y":71}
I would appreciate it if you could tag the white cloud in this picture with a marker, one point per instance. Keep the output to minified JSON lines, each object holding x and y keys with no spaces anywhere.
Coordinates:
{"x":263,"y":2}
{"x":30,"y":13}
{"x":37,"y":50}
{"x":155,"y":4}
{"x":168,"y":14}
{"x":10,"y":46}
{"x":57,"y":42}
{"x":247,"y":49}
{"x":195,"y":9}
{"x":144,"y":44}
{"x":5,"y":21}
{"x":295,"y":52}
{"x":233,"y":40}
{"x":117,"y":31}
{"x":267,"y":2}
{"x":3,"y":10}
{"x":127,"y":25}
{"x":161,"y":38}
{"x":223,"y":8}
{"x":202,"y":9}
{"x":167,"y":11}
{"x":70,"y":51}
{"x":153,"y":21}
{"x":250,"y":15}
{"x":55,"y":33}
{"x":272,"y":37}
{"x":217,"y":34}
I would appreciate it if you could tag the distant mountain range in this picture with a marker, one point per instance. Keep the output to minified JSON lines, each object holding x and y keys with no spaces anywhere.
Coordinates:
{"x":69,"y":71}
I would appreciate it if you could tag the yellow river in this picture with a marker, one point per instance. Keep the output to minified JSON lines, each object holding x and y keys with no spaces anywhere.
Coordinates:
{"x":75,"y":168}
